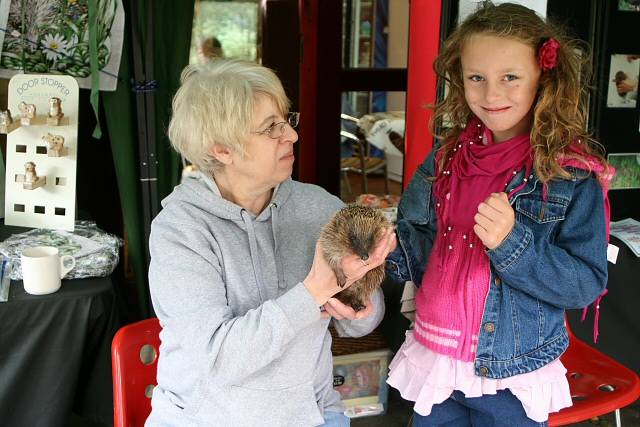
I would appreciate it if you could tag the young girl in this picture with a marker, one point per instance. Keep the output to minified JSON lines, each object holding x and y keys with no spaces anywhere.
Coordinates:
{"x":503,"y":227}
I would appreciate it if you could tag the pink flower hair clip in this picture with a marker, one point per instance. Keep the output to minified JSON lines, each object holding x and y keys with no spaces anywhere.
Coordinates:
{"x":548,"y":54}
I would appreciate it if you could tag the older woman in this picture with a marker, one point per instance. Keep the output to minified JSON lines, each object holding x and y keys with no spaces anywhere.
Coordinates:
{"x":243,"y":294}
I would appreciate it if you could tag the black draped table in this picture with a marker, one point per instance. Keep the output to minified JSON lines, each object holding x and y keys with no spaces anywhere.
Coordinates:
{"x":55,"y":353}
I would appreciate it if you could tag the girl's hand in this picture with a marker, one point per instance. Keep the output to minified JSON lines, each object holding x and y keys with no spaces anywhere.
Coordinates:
{"x":494,"y":220}
{"x":336,"y":309}
{"x":321,"y":281}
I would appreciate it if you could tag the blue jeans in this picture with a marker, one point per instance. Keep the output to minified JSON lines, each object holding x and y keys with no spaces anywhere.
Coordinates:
{"x":335,"y":419}
{"x":489,"y":410}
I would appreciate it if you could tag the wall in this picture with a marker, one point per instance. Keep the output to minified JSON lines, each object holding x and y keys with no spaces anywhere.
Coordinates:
{"x":398,"y":47}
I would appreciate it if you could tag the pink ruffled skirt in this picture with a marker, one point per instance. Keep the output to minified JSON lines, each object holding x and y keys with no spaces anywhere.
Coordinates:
{"x":428,"y":378}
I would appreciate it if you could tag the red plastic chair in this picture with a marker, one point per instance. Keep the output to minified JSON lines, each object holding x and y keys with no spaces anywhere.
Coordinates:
{"x":134,"y":362}
{"x":598,"y":384}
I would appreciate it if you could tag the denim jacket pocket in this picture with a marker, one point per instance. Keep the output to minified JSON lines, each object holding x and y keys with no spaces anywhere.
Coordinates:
{"x":542,"y":211}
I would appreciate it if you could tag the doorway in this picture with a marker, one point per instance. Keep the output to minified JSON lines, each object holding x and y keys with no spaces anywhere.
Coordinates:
{"x":357,"y":87}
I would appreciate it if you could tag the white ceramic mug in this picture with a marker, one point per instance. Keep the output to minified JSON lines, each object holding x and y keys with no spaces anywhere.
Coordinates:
{"x":42,"y":269}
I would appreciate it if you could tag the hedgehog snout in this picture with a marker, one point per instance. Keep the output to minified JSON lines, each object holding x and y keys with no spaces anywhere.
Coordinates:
{"x":361,"y":245}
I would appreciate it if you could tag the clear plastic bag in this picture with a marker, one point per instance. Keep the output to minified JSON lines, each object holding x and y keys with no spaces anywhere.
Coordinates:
{"x":96,"y":252}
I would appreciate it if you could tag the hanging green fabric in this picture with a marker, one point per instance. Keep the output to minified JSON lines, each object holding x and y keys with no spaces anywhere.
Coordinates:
{"x":171,"y":52}
{"x":93,"y":64}
{"x":172,"y":25}
{"x":122,"y":124}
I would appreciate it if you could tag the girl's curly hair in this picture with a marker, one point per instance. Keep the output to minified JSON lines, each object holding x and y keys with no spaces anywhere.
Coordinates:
{"x":560,"y":109}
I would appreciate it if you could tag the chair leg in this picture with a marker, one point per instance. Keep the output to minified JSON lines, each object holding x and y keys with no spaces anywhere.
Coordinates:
{"x":347,"y":184}
{"x":386,"y":180}
{"x":618,"y":418}
{"x":364,"y":182}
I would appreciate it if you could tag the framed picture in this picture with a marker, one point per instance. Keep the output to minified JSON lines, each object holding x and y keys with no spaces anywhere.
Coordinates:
{"x":629,"y":5}
{"x":624,"y":72}
{"x":361,"y":380}
{"x":627,"y":170}
{"x":52,"y":37}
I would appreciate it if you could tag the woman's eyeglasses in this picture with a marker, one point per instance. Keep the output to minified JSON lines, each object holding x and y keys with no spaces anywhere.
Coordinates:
{"x":276,"y":130}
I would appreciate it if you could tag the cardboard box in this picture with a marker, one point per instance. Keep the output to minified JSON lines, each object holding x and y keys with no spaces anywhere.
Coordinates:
{"x":395,"y":162}
{"x":361,"y":379}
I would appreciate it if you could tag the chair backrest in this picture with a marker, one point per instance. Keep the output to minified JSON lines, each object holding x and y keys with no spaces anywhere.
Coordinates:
{"x":358,"y":145}
{"x":598,"y":383}
{"x":134,"y":359}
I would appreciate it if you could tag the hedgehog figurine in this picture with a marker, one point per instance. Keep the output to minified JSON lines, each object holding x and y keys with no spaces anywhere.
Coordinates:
{"x":354,"y":229}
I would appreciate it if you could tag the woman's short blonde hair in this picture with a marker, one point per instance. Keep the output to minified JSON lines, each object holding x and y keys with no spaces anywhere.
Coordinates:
{"x":215,"y":105}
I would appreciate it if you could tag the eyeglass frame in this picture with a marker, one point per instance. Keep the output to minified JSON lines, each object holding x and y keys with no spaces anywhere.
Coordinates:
{"x":293,"y":119}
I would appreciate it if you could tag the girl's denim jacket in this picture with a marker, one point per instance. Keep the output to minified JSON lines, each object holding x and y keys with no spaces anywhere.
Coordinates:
{"x":553,"y":259}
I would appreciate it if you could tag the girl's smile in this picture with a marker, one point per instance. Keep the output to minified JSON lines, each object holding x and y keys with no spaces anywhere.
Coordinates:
{"x":496,"y":110}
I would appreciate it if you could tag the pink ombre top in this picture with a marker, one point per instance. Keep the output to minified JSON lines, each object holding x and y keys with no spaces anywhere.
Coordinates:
{"x":428,"y":378}
{"x":450,"y":302}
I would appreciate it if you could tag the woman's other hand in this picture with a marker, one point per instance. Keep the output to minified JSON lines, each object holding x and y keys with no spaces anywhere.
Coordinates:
{"x":336,"y":309}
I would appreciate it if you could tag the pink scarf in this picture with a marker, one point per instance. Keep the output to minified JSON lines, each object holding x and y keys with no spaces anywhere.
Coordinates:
{"x":477,"y":168}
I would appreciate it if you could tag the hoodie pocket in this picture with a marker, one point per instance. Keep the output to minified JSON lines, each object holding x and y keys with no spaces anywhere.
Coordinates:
{"x":286,"y":406}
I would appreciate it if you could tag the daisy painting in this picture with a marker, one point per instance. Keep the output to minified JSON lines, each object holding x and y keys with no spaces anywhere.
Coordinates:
{"x":55,"y":47}
{"x":52,"y":36}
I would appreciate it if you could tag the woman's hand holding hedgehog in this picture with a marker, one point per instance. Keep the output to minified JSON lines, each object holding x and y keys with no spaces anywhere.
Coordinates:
{"x":323,"y":284}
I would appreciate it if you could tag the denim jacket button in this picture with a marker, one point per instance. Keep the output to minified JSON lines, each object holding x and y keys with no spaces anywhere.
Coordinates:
{"x":484,"y":371}
{"x":489,"y":327}
{"x":498,"y":281}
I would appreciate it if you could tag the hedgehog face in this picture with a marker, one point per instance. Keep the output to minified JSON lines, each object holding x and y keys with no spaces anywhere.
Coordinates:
{"x":361,"y":244}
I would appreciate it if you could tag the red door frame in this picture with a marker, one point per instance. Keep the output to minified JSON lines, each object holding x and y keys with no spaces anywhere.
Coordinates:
{"x":308,"y":89}
{"x":421,"y":84}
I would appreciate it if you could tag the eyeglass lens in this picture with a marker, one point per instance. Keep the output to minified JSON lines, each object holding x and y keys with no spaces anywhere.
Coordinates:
{"x":293,"y":119}
{"x":278,"y":130}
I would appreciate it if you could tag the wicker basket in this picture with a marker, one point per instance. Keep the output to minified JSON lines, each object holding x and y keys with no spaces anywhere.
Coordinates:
{"x":341,"y":346}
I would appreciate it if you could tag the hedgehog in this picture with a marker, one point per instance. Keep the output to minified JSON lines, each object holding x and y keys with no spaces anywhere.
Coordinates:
{"x":354,"y":229}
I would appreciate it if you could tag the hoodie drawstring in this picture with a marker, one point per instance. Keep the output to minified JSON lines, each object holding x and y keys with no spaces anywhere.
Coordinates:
{"x":276,"y":248}
{"x":253,"y":248}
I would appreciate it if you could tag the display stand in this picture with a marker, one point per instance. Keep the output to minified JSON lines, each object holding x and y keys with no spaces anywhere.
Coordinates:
{"x":42,"y":149}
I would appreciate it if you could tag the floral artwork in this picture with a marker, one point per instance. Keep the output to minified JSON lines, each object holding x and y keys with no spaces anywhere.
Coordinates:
{"x":52,"y":36}
{"x":627,"y":170}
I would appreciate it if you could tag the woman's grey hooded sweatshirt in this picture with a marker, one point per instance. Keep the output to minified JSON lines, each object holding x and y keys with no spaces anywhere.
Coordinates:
{"x":243,"y":342}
